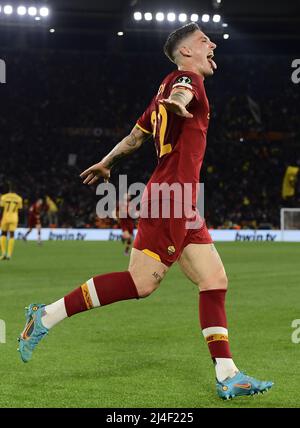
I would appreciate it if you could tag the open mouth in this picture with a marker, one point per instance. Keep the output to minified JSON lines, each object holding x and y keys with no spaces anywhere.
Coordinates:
{"x":211,"y":61}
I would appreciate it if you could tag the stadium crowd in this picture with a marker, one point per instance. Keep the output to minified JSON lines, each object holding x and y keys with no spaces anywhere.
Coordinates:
{"x":63,"y":111}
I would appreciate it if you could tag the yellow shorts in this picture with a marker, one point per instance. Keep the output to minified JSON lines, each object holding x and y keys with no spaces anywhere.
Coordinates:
{"x":7,"y":226}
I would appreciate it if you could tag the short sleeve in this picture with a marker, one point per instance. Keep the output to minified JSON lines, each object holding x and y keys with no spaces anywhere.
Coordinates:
{"x":20,"y":204}
{"x":144,"y":122}
{"x":1,"y":202}
{"x":189,"y":80}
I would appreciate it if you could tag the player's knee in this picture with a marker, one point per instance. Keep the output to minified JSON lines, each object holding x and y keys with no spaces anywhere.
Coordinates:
{"x":219,"y":282}
{"x":144,"y":285}
{"x":3,"y":233}
{"x":146,"y":288}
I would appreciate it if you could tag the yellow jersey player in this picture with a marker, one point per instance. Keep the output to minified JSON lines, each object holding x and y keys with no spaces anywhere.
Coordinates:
{"x":10,"y":204}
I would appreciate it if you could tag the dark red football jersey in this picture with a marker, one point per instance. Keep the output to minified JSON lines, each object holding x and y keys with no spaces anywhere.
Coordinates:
{"x":35,"y":210}
{"x":180,"y":143}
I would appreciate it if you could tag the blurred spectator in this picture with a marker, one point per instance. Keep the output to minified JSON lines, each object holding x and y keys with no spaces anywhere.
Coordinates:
{"x":52,"y":210}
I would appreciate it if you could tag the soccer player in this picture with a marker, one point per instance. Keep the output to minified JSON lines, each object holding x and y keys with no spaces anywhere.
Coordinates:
{"x":126,"y":222}
{"x":34,"y":220}
{"x":178,"y":118}
{"x":10,"y":203}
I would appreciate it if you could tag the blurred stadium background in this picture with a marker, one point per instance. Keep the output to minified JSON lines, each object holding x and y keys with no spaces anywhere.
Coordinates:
{"x":78,"y":78}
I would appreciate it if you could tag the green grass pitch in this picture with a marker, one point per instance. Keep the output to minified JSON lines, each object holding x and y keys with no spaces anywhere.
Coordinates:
{"x":148,"y":353}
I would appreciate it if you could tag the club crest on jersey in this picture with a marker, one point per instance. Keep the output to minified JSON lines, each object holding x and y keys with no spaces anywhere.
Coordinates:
{"x":171,"y":250}
{"x":185,"y":80}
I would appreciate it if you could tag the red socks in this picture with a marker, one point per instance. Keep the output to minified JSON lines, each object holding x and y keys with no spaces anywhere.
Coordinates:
{"x":213,"y":322}
{"x":100,"y":291}
{"x":113,"y":287}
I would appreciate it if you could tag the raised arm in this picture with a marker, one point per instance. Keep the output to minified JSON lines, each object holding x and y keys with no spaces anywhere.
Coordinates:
{"x":128,"y":145}
{"x":178,"y":101}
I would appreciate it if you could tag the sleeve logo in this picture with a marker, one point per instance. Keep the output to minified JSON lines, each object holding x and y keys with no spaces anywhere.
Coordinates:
{"x":184,"y":80}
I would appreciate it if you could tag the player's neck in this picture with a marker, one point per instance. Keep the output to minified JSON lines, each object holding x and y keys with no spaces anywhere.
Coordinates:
{"x":190,"y":67}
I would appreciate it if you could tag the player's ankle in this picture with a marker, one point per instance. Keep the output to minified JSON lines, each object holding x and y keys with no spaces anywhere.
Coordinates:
{"x":225,"y":368}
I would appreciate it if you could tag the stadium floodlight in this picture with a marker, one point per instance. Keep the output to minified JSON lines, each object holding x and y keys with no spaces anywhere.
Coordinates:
{"x":182,"y":17}
{"x":205,"y":18}
{"x":160,"y":16}
{"x":37,"y":18}
{"x":120,"y":33}
{"x":21,"y":10}
{"x":44,"y":11}
{"x":226,"y":36}
{"x":8,"y":9}
{"x":171,"y":17}
{"x":217,"y":18}
{"x":224,"y":25}
{"x":52,"y":30}
{"x":194,"y":17}
{"x":32,"y":11}
{"x":148,"y":16}
{"x":137,"y":16}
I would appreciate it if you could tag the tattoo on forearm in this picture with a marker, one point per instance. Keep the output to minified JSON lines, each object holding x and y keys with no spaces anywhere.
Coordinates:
{"x":132,"y":140}
{"x":115,"y":158}
{"x":124,"y":148}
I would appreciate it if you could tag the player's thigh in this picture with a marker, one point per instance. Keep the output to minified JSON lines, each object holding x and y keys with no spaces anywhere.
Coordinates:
{"x":12,"y":228}
{"x":4,"y":227}
{"x":126,"y":234}
{"x":146,"y":271}
{"x":202,"y":264}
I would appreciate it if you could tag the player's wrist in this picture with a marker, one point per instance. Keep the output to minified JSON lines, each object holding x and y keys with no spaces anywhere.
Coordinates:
{"x":105,"y":163}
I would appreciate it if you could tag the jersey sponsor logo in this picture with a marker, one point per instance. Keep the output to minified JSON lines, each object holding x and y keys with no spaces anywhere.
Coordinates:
{"x":184,"y":80}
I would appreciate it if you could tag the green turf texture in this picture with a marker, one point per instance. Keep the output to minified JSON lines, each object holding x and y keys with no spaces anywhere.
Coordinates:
{"x":148,"y":353}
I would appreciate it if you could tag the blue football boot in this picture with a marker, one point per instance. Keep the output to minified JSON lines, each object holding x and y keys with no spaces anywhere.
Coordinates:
{"x":241,"y":384}
{"x":33,"y":332}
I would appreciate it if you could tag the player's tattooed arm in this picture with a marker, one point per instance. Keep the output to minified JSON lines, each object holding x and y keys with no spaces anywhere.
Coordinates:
{"x":178,"y":101}
{"x":128,"y":145}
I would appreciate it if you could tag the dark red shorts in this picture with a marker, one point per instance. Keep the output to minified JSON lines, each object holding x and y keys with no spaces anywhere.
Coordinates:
{"x":33,"y":221}
{"x":165,"y":238}
{"x":127,"y":226}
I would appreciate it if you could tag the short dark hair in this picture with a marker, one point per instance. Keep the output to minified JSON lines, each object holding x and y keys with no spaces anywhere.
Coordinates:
{"x":176,"y":36}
